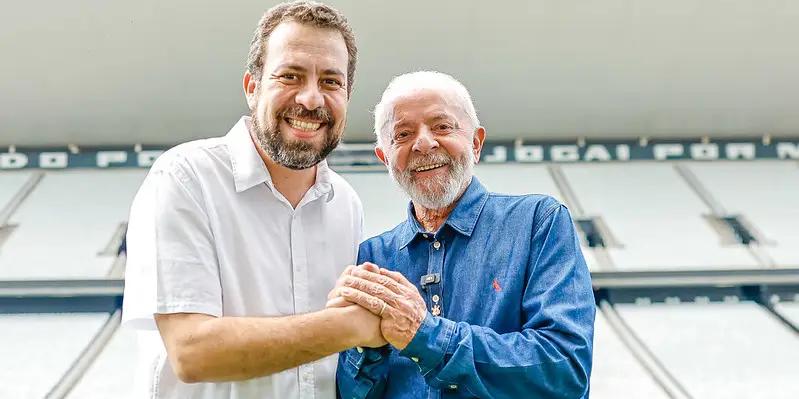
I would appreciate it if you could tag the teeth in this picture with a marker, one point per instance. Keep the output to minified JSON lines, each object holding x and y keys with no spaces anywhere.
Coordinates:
{"x":307,"y":126}
{"x":428,"y":167}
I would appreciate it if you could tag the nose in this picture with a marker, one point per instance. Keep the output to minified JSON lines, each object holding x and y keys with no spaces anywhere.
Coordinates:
{"x":310,"y":97}
{"x":425,"y":141}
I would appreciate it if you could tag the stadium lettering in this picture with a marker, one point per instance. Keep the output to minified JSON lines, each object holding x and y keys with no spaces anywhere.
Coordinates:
{"x":564,"y":153}
{"x":788,"y":150}
{"x":665,"y":151}
{"x":740,"y":151}
{"x":53,"y":160}
{"x":705,"y":152}
{"x":596,"y":152}
{"x":147,"y":158}
{"x":498,"y":154}
{"x":105,"y":158}
{"x":528,"y":153}
{"x":13,"y":160}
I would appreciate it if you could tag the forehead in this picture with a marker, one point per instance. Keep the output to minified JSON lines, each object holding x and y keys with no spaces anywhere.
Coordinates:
{"x":425,"y":103}
{"x":296,"y":43}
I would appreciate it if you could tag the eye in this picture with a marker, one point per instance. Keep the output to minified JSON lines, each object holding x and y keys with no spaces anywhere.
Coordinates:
{"x":443,"y":127}
{"x":402,"y":135}
{"x":333,"y":83}
{"x":288,"y":77}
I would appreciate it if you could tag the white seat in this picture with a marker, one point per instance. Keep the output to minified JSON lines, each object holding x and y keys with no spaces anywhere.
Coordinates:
{"x":112,"y":374}
{"x":37,"y":349}
{"x":10,"y":184}
{"x":654,"y":215}
{"x":66,"y":221}
{"x":720,"y":350}
{"x":766,"y":193}
{"x":616,"y":373}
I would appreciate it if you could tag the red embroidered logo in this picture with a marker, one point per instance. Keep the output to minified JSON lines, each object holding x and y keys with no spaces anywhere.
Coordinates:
{"x":496,"y":286}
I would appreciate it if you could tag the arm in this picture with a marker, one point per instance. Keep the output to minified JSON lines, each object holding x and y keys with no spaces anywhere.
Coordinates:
{"x":205,"y":348}
{"x":202,"y":344}
{"x":549,"y":357}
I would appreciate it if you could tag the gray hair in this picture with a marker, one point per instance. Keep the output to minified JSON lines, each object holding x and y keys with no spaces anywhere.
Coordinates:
{"x":409,"y":82}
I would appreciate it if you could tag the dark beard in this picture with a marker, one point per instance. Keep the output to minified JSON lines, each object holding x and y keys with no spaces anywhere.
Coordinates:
{"x":295,"y":155}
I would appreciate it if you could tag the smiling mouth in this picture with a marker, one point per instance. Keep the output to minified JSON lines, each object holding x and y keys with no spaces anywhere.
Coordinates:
{"x":304,"y":126}
{"x":429,"y":167}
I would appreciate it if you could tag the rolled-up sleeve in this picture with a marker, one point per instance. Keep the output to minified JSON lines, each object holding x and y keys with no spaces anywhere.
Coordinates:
{"x":549,"y":357}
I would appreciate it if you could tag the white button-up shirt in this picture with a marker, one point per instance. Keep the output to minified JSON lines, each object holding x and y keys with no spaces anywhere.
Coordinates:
{"x":209,"y":233}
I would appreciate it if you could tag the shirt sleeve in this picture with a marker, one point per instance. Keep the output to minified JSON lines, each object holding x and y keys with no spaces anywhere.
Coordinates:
{"x":362,"y":372}
{"x":550,"y":357}
{"x":187,"y":272}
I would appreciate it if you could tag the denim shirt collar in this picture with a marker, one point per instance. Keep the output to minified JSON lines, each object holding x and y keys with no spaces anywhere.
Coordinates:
{"x":462,"y":219}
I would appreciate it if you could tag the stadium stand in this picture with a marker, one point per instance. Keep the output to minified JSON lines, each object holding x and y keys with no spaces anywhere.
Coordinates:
{"x":114,"y":370}
{"x":653,"y":215}
{"x":654,"y":219}
{"x":384,"y":205}
{"x":39,"y":348}
{"x":767,"y":193}
{"x":616,"y":372}
{"x":44,"y":243}
{"x":719,"y":350}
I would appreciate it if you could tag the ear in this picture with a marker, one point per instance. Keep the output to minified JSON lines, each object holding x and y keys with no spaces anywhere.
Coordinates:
{"x":250,"y":85}
{"x":381,"y":155}
{"x":477,"y":143}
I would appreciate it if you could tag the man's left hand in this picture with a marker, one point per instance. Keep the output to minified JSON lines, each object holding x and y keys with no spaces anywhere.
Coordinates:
{"x":389,"y":295}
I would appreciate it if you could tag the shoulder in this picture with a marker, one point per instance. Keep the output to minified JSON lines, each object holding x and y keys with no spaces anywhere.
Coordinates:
{"x":539,"y":206}
{"x":387,"y":242}
{"x":189,"y":159}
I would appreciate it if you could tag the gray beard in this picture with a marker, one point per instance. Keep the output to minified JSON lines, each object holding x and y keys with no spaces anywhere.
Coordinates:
{"x":438,"y":192}
{"x":295,"y":155}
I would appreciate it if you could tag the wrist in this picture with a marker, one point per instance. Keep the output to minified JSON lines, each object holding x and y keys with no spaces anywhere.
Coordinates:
{"x":347,"y":333}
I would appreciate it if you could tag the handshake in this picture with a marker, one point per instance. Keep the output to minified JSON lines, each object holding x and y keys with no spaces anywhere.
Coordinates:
{"x":383,"y":305}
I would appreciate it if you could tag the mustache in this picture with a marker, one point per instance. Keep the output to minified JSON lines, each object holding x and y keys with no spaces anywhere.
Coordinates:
{"x":428,"y":159}
{"x":298,"y":111}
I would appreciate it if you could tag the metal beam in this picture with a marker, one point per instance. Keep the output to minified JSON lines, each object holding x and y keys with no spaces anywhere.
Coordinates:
{"x":61,"y":296}
{"x":79,"y":367}
{"x":659,"y":373}
{"x":696,"y":278}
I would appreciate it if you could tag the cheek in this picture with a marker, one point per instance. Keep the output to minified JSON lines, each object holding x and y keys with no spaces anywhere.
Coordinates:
{"x":400,"y":159}
{"x":338,"y":105}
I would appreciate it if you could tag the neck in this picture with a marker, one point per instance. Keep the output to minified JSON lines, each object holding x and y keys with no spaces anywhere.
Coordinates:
{"x":292,"y":183}
{"x":432,"y":219}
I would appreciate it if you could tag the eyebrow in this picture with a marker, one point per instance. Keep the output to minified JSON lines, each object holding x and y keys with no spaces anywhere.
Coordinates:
{"x":294,"y":67}
{"x":441,"y":115}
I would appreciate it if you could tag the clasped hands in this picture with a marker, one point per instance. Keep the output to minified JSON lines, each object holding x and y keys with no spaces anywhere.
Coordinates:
{"x":388,"y":295}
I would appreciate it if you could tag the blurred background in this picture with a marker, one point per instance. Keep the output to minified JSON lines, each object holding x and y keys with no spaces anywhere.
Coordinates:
{"x":669,"y":129}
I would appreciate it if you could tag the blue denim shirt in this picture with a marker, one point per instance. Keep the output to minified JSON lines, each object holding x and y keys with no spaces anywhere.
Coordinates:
{"x":515,"y":305}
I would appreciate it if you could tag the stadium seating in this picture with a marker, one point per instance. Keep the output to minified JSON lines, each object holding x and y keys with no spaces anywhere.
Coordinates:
{"x":69,"y":224}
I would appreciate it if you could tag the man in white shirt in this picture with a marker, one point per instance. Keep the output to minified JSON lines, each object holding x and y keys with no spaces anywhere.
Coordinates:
{"x":235,"y":241}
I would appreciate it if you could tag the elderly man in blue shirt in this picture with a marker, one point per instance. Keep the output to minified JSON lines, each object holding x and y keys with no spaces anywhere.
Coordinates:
{"x":481,"y":294}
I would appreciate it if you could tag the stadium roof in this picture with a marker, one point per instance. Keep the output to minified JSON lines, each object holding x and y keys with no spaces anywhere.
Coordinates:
{"x":163,"y":72}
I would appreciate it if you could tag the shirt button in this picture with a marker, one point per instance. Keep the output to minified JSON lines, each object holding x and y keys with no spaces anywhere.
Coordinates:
{"x":453,"y":386}
{"x":436,"y":245}
{"x":425,"y":236}
{"x":436,"y":298}
{"x":359,"y":349}
{"x":415,"y":359}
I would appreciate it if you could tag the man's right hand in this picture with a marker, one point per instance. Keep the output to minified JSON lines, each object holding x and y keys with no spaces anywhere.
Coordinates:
{"x":365,"y":327}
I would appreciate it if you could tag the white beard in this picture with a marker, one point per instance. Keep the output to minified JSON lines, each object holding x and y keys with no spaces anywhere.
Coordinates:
{"x":437,"y":192}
